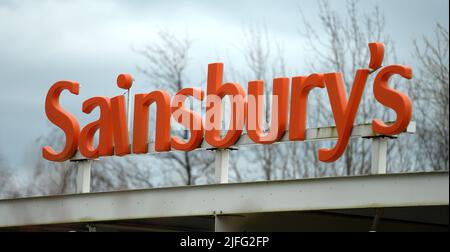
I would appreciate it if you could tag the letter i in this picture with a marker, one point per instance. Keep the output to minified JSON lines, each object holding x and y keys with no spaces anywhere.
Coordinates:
{"x":121,"y":116}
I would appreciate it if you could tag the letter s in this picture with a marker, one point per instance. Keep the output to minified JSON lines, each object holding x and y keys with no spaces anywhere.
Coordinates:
{"x":188,"y":118}
{"x":393,"y":99}
{"x":63,"y":119}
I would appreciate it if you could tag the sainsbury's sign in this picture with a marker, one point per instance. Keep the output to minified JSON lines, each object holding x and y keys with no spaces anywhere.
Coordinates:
{"x":246,"y":112}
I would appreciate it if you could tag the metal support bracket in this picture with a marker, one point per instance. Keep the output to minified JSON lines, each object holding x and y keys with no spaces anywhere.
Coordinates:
{"x":222,"y":160}
{"x":379,"y":155}
{"x":222,"y":163}
{"x":83,"y":179}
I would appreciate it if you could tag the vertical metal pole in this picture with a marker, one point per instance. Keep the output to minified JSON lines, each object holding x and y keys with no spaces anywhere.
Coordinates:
{"x":229,"y":223}
{"x":222,"y":159}
{"x":376,"y":220}
{"x":379,"y":155}
{"x":83,"y":181}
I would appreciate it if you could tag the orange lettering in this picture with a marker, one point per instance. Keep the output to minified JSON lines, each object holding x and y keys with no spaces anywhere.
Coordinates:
{"x":119,"y":120}
{"x":103,"y":124}
{"x":140,"y":126}
{"x":344,"y":112}
{"x":301,"y":86}
{"x":63,"y":119}
{"x":393,"y":99}
{"x":216,"y":88}
{"x":279,"y":110}
{"x":194,"y":123}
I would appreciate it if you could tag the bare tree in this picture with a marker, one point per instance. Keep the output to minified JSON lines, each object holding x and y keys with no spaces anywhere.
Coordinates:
{"x":6,"y":188}
{"x":166,"y":62}
{"x":341,"y":45}
{"x":44,"y":177}
{"x":431,"y":97}
{"x":264,"y":61}
{"x":107,"y":173}
{"x":51,"y":177}
{"x":120,"y":173}
{"x":3,"y":173}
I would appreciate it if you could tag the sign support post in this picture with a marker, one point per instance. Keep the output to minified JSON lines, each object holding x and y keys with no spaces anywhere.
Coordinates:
{"x":379,"y":155}
{"x":222,"y":159}
{"x":83,"y":179}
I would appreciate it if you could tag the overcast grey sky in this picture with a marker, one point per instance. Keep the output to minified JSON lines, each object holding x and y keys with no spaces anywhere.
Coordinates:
{"x":42,"y":42}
